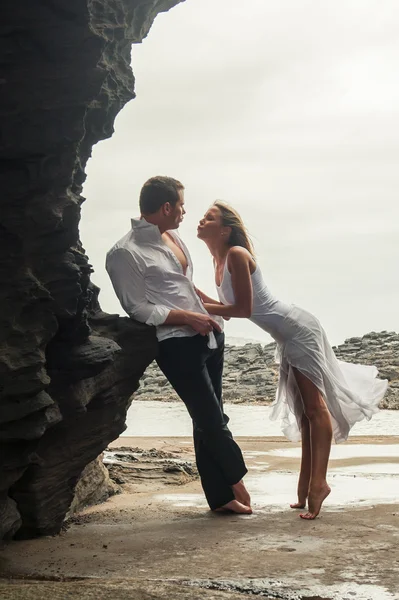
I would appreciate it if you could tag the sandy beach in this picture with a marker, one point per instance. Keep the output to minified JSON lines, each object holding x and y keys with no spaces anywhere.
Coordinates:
{"x":159,"y":540}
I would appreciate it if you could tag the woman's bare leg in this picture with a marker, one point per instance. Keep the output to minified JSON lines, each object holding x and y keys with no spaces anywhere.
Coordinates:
{"x":320,"y":443}
{"x":306,"y":465}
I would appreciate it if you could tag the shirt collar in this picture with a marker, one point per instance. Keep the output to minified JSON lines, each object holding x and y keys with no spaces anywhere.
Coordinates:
{"x":148,"y":231}
{"x":145,"y":230}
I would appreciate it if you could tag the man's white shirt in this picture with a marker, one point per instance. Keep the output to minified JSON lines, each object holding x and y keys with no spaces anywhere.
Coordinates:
{"x":149,"y":280}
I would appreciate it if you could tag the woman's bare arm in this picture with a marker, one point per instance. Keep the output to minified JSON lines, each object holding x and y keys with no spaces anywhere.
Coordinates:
{"x":239,"y":264}
{"x":205,"y":298}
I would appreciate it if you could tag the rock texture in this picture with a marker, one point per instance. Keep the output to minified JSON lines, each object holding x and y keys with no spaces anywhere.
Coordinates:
{"x":64,"y":382}
{"x":250,"y":373}
{"x":142,"y":467}
{"x":379,"y":349}
{"x":94,"y":486}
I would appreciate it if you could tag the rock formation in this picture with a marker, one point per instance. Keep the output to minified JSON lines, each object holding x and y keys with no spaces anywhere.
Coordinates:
{"x":250,"y":373}
{"x":64,"y":383}
{"x":145,"y":467}
{"x":94,"y":486}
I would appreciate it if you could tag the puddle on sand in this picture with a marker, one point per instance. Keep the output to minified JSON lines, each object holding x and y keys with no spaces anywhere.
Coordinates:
{"x":183,"y":500}
{"x":288,"y":590}
{"x":276,"y":490}
{"x":352,"y":486}
{"x":259,"y":465}
{"x":346,"y":591}
{"x":346,"y":451}
{"x":254,"y":453}
{"x":375,"y":469}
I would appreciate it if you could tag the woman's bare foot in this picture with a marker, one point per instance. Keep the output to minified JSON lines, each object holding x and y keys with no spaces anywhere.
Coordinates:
{"x":315,"y":500}
{"x":302,"y":498}
{"x":298,"y":505}
{"x":235,"y":507}
{"x":241,"y":494}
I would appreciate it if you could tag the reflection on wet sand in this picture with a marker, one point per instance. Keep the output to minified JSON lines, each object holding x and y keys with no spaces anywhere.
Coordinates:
{"x":347,"y":451}
{"x":272,"y":484}
{"x":274,"y":491}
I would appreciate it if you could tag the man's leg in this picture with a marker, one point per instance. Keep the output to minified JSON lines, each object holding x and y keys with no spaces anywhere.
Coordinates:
{"x":219,"y":460}
{"x":214,"y":365}
{"x":211,"y":472}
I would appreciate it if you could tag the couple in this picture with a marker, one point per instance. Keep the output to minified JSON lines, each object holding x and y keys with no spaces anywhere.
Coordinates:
{"x":318,"y":397}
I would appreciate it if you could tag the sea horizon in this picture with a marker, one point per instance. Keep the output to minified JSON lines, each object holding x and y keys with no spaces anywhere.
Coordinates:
{"x":233,"y":340}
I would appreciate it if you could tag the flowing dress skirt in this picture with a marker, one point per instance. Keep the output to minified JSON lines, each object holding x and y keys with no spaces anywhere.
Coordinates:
{"x":352,"y":392}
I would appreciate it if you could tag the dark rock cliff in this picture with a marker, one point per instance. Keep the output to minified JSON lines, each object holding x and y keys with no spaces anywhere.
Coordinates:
{"x":67,"y":370}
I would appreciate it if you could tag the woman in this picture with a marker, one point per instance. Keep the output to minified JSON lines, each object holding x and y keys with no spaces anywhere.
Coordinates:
{"x":317,"y":396}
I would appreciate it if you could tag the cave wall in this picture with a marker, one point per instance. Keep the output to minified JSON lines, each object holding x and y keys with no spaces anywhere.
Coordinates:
{"x":67,"y":370}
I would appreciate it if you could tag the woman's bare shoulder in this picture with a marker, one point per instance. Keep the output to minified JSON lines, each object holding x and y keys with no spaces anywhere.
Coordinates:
{"x":238,"y":251}
{"x":239,"y":256}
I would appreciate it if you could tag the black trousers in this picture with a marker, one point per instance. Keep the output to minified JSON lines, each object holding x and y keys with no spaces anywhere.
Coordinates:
{"x":195,"y":372}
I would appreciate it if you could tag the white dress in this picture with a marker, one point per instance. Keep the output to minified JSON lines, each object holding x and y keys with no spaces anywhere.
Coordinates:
{"x":352,"y":392}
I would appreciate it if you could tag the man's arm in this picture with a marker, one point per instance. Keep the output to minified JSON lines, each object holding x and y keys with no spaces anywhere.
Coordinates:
{"x":129,"y":284}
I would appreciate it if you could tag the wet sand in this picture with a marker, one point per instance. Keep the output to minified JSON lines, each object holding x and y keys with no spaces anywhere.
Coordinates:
{"x":164,"y":533}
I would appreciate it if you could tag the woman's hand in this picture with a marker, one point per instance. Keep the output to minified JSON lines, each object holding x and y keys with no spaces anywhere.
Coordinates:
{"x":199,"y":293}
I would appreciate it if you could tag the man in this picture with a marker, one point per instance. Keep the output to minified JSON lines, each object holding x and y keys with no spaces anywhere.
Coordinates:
{"x":151,"y":271}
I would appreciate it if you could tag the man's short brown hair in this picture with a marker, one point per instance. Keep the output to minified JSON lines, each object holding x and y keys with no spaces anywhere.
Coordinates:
{"x":157,"y":191}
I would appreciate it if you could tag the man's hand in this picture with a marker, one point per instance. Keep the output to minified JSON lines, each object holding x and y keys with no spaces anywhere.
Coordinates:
{"x":202,"y":324}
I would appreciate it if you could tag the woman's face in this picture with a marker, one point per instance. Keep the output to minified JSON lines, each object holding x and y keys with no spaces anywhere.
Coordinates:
{"x":210,"y":227}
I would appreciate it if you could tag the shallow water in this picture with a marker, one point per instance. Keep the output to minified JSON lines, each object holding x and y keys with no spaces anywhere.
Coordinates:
{"x":274,"y":491}
{"x":342,"y":451}
{"x":283,"y":589}
{"x":162,"y":419}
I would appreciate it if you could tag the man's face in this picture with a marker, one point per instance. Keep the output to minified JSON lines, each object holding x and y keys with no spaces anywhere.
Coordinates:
{"x":177,"y":213}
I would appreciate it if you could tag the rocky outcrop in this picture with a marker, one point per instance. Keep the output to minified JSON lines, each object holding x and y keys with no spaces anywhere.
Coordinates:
{"x":251,"y":374}
{"x":94,"y":486}
{"x":143,"y":468}
{"x":64,"y":382}
{"x":379,"y":349}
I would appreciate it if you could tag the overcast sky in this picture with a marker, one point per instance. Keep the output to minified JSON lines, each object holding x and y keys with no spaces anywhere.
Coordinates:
{"x":289,"y":110}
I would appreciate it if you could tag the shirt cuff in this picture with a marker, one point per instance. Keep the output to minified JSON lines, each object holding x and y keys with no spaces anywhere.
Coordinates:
{"x":158,"y":315}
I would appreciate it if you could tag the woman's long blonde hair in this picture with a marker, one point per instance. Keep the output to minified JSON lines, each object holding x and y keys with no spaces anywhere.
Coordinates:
{"x":239,"y":235}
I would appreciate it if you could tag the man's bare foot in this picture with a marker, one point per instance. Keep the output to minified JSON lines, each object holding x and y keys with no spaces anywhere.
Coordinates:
{"x":241,"y":494}
{"x":315,"y":500}
{"x":235,"y":507}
